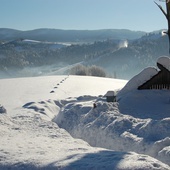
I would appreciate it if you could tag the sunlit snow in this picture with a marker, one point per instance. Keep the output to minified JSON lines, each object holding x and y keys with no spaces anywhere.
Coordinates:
{"x":42,"y":118}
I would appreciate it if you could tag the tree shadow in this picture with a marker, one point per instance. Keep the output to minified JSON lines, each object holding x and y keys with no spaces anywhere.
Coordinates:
{"x":103,"y":160}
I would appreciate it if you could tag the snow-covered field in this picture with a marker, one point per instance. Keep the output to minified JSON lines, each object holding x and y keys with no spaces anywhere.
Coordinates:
{"x":50,"y":123}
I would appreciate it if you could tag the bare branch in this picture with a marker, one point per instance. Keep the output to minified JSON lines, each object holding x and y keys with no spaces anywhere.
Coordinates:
{"x":160,"y":7}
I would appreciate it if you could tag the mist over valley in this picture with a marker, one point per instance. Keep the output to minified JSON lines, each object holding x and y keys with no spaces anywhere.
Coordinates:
{"x":121,"y":53}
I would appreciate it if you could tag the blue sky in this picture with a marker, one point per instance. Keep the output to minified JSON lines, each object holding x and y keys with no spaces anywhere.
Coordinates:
{"x":136,"y":15}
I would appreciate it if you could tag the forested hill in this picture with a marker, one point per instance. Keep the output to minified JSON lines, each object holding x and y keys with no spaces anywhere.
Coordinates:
{"x":120,"y":58}
{"x":57,"y":35}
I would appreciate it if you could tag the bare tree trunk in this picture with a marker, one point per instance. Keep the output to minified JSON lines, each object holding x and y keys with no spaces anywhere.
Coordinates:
{"x":168,"y":19}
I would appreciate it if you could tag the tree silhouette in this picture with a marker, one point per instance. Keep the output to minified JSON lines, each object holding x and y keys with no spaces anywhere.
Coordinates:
{"x":167,"y":15}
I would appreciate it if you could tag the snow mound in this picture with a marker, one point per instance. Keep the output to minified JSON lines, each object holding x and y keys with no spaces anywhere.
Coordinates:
{"x":164,"y":154}
{"x":47,"y":108}
{"x":108,"y":127}
{"x":144,"y":104}
{"x":31,"y":140}
{"x":31,"y":143}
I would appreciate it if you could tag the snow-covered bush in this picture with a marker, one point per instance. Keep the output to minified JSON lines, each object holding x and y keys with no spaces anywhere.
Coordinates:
{"x":96,"y":71}
{"x":88,"y":71}
{"x":78,"y":70}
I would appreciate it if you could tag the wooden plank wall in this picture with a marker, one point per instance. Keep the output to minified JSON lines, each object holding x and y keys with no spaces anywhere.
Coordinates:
{"x":159,"y":81}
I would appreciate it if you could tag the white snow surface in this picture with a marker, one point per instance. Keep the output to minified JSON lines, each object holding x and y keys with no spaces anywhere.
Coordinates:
{"x":42,"y":118}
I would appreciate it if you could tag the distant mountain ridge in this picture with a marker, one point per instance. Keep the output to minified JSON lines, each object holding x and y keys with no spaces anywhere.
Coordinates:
{"x":58,"y":35}
{"x":121,"y":58}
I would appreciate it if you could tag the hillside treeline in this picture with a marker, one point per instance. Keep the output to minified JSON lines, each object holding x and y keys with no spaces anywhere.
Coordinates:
{"x":122,"y":61}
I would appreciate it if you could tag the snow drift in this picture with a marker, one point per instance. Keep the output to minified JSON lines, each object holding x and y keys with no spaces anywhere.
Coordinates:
{"x":31,"y":140}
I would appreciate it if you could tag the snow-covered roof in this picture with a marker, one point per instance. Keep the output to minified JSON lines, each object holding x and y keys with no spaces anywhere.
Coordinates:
{"x":138,"y":80}
{"x":110,"y":93}
{"x":144,"y":76}
{"x":165,"y":62}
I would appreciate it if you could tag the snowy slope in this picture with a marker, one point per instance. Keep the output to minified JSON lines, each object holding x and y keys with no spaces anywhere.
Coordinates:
{"x":30,"y":139}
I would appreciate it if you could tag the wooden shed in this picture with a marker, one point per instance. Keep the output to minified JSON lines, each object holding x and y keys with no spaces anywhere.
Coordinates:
{"x":159,"y":81}
{"x":110,"y":96}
